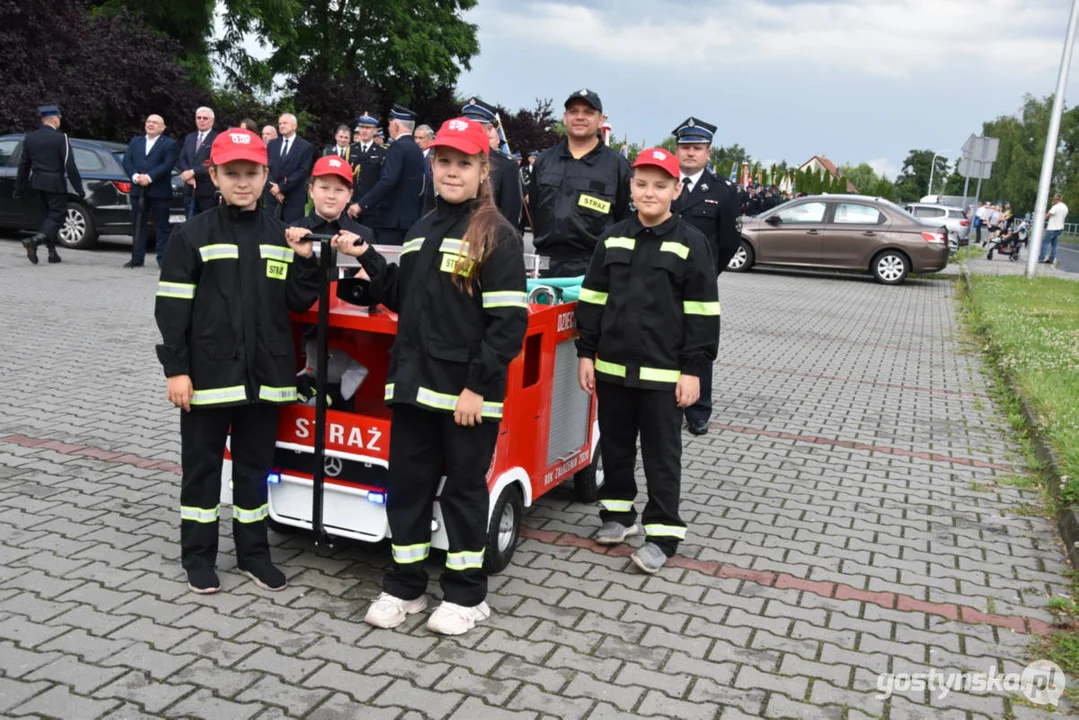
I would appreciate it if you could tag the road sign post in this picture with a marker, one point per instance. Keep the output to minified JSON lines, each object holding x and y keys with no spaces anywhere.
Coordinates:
{"x":979,"y":154}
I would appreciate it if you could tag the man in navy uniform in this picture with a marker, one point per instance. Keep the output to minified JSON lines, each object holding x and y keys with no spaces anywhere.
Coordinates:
{"x":291,"y":159}
{"x":397,"y":200}
{"x":195,"y":163}
{"x":148,"y":161}
{"x":711,"y":204}
{"x":505,"y":175}
{"x":46,"y":159}
{"x":367,"y":159}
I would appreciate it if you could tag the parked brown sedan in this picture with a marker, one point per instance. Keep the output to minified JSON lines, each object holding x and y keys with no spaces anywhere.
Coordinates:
{"x":843,"y":232}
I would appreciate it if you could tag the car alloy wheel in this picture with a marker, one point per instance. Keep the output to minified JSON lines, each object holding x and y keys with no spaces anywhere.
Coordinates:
{"x":74,"y":229}
{"x":738,"y":259}
{"x":890,"y":268}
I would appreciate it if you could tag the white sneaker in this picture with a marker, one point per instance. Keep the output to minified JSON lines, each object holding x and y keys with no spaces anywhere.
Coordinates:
{"x":450,"y":619}
{"x":388,"y":611}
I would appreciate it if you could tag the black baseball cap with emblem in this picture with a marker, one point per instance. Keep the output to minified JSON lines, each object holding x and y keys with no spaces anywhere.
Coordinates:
{"x":589,"y":96}
{"x":693,"y":130}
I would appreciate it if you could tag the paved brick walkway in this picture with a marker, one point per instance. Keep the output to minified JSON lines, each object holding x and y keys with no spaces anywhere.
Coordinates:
{"x":846,"y":519}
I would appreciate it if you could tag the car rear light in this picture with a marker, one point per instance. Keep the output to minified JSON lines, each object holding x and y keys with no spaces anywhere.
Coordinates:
{"x":964,"y":223}
{"x":124,"y":187}
{"x":933,"y":237}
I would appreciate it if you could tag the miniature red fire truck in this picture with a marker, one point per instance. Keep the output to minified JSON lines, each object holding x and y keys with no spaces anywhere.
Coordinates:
{"x":548,"y":432}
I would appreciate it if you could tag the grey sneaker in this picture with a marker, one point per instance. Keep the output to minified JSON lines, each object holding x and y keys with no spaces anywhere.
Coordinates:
{"x":614,"y":532}
{"x":649,"y":558}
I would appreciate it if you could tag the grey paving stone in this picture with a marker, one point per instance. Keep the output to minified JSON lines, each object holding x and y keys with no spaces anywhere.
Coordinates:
{"x":61,"y":702}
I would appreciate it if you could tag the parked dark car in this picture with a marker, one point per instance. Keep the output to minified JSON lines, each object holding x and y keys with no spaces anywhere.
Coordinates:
{"x":843,"y":232}
{"x":107,"y":208}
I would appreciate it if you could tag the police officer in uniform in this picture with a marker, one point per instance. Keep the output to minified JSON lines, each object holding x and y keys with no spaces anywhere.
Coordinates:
{"x":710,"y":204}
{"x":366,"y":157}
{"x":396,"y":200}
{"x":505,"y":177}
{"x":579,"y":188}
{"x":46,"y":158}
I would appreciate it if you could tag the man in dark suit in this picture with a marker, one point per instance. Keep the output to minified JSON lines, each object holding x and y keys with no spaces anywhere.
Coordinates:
{"x":46,"y":158}
{"x":194,"y":163}
{"x":397,"y":199}
{"x":367,"y":159}
{"x":291,"y":159}
{"x":148,"y":161}
{"x":711,"y":204}
{"x":341,"y":145}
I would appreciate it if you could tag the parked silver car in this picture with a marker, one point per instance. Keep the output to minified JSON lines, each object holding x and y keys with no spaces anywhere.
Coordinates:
{"x":951,"y":217}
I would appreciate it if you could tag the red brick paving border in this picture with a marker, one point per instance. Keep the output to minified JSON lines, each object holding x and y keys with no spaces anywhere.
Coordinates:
{"x":884,"y":449}
{"x":783,"y":581}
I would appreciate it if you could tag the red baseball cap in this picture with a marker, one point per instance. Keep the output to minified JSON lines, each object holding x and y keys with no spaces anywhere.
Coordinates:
{"x":463,"y":134}
{"x":333,"y":165}
{"x":659,"y":158}
{"x":238,"y":144}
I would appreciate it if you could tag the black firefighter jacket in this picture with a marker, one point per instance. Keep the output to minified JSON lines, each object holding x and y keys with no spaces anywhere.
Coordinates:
{"x":573,"y":202}
{"x":649,"y":308}
{"x":227,"y":284}
{"x":448,"y":340}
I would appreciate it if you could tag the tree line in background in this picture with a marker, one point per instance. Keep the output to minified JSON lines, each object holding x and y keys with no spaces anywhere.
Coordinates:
{"x":108,"y":63}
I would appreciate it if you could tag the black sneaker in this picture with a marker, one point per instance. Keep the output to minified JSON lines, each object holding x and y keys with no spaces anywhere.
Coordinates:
{"x":54,"y":257}
{"x":203,"y":581}
{"x":132,"y":264}
{"x":266,"y":576}
{"x":697,"y":428}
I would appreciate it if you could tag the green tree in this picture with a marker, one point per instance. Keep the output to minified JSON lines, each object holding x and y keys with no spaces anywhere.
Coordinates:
{"x":913,"y":180}
{"x":864,"y":177}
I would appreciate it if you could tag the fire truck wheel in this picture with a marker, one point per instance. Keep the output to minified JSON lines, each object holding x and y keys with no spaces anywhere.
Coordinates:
{"x":504,"y":531}
{"x":588,"y":481}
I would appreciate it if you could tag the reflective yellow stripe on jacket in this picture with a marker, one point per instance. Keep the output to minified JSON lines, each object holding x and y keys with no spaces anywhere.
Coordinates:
{"x":691,"y":307}
{"x":277,"y":394}
{"x":504,"y":298}
{"x":445,"y":401}
{"x":647,"y":374}
{"x":183,"y":291}
{"x":217,"y":396}
{"x":276,"y":252}
{"x":592,"y":296}
{"x":412,"y":246}
{"x":620,"y":242}
{"x":219,"y":252}
{"x":678,"y":249}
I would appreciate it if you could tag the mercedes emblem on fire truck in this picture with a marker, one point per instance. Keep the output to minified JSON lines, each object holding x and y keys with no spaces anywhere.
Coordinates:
{"x":333,"y":466}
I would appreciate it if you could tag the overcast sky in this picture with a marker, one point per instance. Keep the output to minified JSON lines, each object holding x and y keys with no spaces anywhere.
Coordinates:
{"x":856,"y":80}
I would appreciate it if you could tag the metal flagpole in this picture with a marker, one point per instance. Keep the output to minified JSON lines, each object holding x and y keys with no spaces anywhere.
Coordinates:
{"x":1038,"y":231}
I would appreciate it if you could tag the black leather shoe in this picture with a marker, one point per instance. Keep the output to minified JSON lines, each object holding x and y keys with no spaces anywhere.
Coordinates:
{"x":697,"y":428}
{"x":31,"y":249}
{"x":54,"y":257}
{"x":131,"y":264}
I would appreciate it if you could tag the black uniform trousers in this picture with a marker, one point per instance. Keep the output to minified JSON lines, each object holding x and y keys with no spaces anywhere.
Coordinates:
{"x":389,"y":236}
{"x":422,"y":444}
{"x":54,"y":209}
{"x":623,"y":414}
{"x":558,"y":268}
{"x":254,"y":437}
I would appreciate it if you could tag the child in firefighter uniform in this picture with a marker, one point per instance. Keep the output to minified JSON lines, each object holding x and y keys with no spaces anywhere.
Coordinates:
{"x":228,"y":281}
{"x":648,"y":324}
{"x":462,"y":314}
